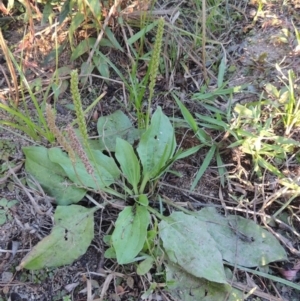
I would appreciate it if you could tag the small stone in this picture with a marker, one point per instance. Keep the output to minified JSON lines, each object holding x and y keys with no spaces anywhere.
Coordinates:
{"x":6,"y":277}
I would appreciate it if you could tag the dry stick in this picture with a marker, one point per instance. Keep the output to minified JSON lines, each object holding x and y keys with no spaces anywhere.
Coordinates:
{"x":239,"y":10}
{"x":26,"y":3}
{"x":8,"y":174}
{"x":241,"y":286}
{"x":279,"y":237}
{"x":193,"y":57}
{"x":273,"y":197}
{"x":18,"y":251}
{"x":33,"y":202}
{"x":112,"y":80}
{"x":106,"y":21}
{"x":8,"y":83}
{"x":10,"y":67}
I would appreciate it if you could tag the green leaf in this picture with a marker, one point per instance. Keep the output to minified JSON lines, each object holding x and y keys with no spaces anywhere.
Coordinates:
{"x":222,"y":69}
{"x":157,"y":145}
{"x":3,"y":217}
{"x":204,"y":166}
{"x":220,"y":91}
{"x":148,"y":293}
{"x":6,"y":204}
{"x":150,"y":240}
{"x":243,"y":111}
{"x":105,"y":168}
{"x":76,"y":22}
{"x":55,"y":52}
{"x":272,"y":90}
{"x":187,"y":115}
{"x":113,"y":126}
{"x":221,"y":169}
{"x":95,"y":7}
{"x":141,"y":33}
{"x":47,"y":12}
{"x":64,"y":11}
{"x":188,"y":243}
{"x":214,"y":121}
{"x":83,"y":47}
{"x":145,"y":266}
{"x":101,"y":65}
{"x":130,"y":233}
{"x":183,"y":154}
{"x":203,"y":137}
{"x":129,"y":162}
{"x":143,"y":200}
{"x":263,"y":163}
{"x":110,"y":253}
{"x":85,"y":70}
{"x":70,"y":237}
{"x":184,"y":286}
{"x":201,"y":134}
{"x":237,"y":237}
{"x":51,"y":176}
{"x":112,"y":37}
{"x":4,"y":207}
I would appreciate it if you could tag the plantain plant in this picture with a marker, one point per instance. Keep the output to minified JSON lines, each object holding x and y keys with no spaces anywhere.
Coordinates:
{"x":141,"y":232}
{"x":67,"y":175}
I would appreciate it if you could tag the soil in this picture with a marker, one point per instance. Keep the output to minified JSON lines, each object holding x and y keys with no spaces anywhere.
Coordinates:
{"x":255,"y":44}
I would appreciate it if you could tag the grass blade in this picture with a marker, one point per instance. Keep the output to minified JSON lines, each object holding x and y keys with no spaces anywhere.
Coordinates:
{"x":204,"y":166}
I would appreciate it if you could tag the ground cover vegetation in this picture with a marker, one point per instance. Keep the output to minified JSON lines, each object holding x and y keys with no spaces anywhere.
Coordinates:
{"x":149,"y":150}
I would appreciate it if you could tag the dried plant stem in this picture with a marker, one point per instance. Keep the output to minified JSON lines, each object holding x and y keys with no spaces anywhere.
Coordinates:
{"x":58,"y":134}
{"x":11,"y":68}
{"x":77,"y":147}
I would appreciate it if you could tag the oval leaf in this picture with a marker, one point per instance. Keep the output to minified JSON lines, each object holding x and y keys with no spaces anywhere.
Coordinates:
{"x":130,"y":233}
{"x":113,"y":126}
{"x":184,"y":286}
{"x":51,"y":176}
{"x":188,"y":244}
{"x":157,"y":144}
{"x":105,"y":169}
{"x":129,"y":162}
{"x":145,"y":266}
{"x":69,"y":239}
{"x":237,"y":237}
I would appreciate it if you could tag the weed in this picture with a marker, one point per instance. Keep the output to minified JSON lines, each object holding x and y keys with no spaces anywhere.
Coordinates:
{"x":126,"y":162}
{"x":133,"y":238}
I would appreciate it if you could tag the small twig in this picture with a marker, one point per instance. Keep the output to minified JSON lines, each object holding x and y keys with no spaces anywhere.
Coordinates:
{"x":10,"y":65}
{"x":7,"y":81}
{"x":18,"y":251}
{"x":112,"y":11}
{"x":256,"y":292}
{"x":8,"y":174}
{"x":280,"y":238}
{"x":33,"y":202}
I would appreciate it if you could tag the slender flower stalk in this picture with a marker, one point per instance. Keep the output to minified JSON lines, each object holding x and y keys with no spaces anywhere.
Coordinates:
{"x":78,"y":107}
{"x":77,"y":147}
{"x":50,"y":116}
{"x":155,"y":64}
